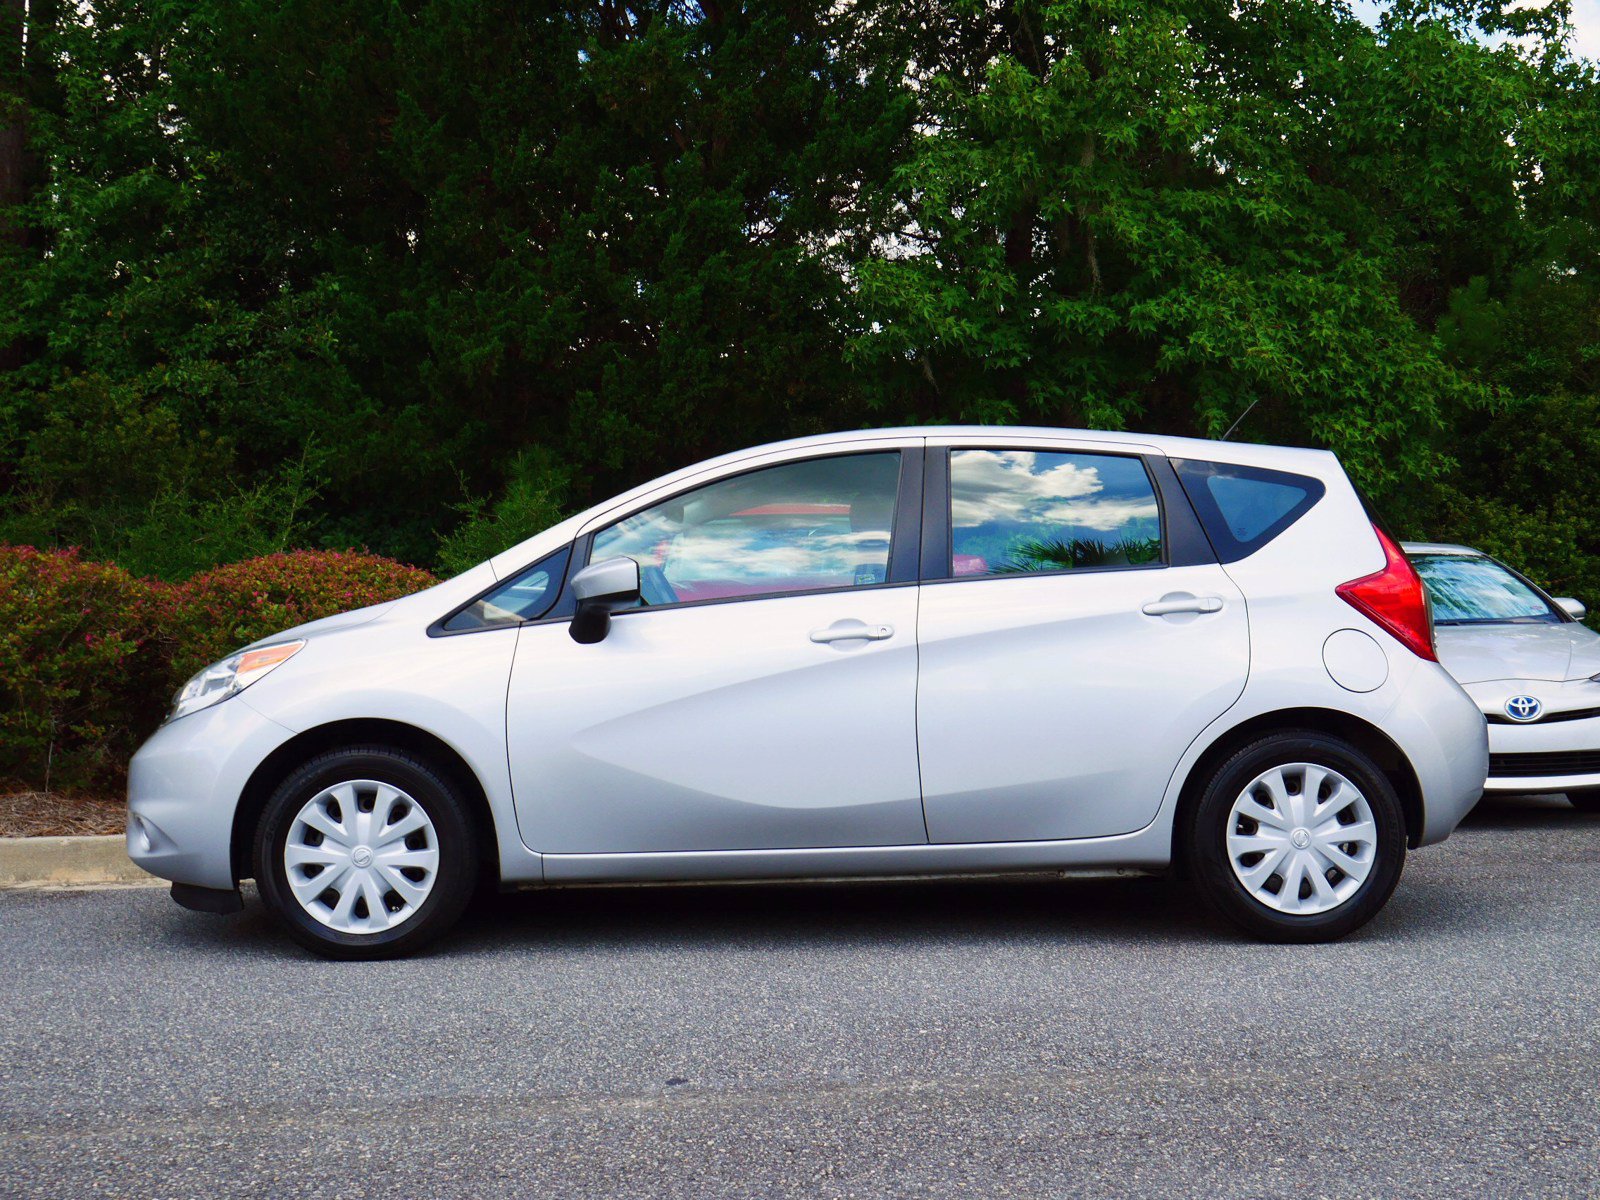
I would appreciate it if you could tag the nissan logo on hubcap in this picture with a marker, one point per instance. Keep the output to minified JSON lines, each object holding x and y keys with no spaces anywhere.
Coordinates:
{"x":1523,"y":708}
{"x":1301,"y":838}
{"x":361,"y":856}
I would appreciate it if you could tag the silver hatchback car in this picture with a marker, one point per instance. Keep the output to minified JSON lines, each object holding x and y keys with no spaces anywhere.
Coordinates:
{"x":888,"y":653}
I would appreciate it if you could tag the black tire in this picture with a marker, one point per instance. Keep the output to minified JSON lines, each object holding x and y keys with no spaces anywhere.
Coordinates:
{"x":457,"y":873}
{"x":1585,"y":800}
{"x":1203,"y":841}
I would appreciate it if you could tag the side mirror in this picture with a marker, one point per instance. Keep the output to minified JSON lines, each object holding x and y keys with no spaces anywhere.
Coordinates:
{"x":601,"y":588}
{"x":1573,"y":608}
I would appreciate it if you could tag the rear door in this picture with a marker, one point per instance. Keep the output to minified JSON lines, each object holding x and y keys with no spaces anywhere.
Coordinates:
{"x":1075,"y":635}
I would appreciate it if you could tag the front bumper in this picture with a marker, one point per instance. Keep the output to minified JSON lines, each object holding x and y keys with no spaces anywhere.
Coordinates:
{"x":184,"y":786}
{"x":1552,"y":754}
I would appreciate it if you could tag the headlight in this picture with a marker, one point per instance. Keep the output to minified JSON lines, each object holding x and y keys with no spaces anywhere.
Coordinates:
{"x":231,"y":676}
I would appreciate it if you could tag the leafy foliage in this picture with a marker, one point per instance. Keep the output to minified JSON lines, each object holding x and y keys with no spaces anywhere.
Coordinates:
{"x":307,"y":274}
{"x":1065,"y":554}
{"x":80,"y":665}
{"x":291,"y":232}
{"x":220,"y":610}
{"x":90,"y":654}
{"x":532,"y":501}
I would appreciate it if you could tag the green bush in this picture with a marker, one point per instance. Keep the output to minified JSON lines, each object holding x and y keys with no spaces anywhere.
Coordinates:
{"x":534,"y":498}
{"x":220,"y":610}
{"x":82,"y":671}
{"x":91,"y":654}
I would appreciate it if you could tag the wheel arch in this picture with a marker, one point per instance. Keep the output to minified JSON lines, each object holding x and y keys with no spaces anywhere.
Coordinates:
{"x":1364,"y":735}
{"x":275,"y":768}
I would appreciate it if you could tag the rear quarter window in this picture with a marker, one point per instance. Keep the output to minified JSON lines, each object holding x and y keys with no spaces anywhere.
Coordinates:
{"x":1244,"y":508}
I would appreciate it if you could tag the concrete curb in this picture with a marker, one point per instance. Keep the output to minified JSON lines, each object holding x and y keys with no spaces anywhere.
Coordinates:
{"x":64,"y":862}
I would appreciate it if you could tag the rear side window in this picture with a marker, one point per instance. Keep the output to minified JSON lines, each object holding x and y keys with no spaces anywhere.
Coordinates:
{"x":1022,"y":512}
{"x":1244,"y":508}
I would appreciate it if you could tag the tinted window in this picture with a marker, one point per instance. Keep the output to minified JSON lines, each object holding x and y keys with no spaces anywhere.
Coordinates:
{"x":1244,"y":508}
{"x":1472,"y":588}
{"x":1024,"y":511}
{"x":524,"y":597}
{"x":823,"y":523}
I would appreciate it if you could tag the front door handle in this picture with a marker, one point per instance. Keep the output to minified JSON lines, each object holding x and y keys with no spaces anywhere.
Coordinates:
{"x":1182,"y":602}
{"x":852,"y":630}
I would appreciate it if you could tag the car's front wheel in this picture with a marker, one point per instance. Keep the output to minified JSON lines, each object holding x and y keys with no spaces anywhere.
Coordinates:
{"x":1297,"y":837}
{"x":366,"y":852}
{"x":1585,"y":800}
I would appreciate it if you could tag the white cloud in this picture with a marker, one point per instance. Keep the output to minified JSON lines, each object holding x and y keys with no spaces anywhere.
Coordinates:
{"x":1586,"y":28}
{"x":1021,"y":487}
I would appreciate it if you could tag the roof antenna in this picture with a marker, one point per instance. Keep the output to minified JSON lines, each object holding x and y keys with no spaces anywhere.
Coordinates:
{"x":1240,"y":419}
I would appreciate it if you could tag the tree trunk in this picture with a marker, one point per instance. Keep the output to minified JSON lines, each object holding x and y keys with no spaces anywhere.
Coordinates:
{"x":26,"y":82}
{"x":14,"y":167}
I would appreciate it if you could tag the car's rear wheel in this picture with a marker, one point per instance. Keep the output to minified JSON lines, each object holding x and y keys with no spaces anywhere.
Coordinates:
{"x":366,"y":852}
{"x":1297,"y":837}
{"x":1585,"y":800}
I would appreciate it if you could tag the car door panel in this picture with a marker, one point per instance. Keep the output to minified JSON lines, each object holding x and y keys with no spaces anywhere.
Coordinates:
{"x":720,"y":727}
{"x":1053,"y":707}
{"x":1076,"y":635}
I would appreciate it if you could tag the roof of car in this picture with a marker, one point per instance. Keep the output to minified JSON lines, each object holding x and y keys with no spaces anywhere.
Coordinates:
{"x":1245,"y":453}
{"x":1439,"y":548}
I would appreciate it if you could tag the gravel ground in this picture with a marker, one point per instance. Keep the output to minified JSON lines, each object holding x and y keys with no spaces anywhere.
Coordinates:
{"x":982,"y":1038}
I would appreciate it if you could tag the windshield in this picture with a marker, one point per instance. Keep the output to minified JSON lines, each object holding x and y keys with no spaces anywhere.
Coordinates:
{"x":1467,"y":588}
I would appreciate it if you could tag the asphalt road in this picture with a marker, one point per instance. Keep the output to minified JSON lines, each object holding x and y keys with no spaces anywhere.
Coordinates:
{"x":981,"y":1038}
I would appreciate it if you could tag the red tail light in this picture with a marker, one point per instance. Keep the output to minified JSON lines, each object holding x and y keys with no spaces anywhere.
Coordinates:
{"x":1395,"y":599}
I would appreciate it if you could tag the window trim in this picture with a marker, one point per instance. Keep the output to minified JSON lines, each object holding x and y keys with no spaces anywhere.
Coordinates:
{"x":1185,"y":538}
{"x":903,"y":536}
{"x":938,"y":530}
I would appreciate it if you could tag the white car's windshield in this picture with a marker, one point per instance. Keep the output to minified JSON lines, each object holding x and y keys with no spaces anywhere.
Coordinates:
{"x":1469,"y":588}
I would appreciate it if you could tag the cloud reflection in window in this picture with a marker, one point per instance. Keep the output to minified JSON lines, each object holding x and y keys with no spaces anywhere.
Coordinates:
{"x":1024,"y":510}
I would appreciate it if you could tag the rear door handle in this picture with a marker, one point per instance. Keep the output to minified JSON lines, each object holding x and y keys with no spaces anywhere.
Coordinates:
{"x":852,"y":630}
{"x":1182,"y":602}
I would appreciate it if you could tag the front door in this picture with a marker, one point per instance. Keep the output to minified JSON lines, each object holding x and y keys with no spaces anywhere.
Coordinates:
{"x":763,"y":697}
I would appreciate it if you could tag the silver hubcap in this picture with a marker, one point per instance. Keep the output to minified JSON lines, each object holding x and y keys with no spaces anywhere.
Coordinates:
{"x":1301,"y":838}
{"x":361,"y":856}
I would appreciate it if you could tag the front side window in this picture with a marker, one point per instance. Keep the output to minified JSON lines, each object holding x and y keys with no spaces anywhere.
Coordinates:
{"x":799,"y":527}
{"x":1026,"y":511}
{"x":526,"y":596}
{"x":1467,"y":588}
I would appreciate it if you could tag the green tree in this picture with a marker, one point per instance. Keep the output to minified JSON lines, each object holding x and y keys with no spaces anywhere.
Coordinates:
{"x":353,"y":274}
{"x":401,"y":244}
{"x":1170,"y":215}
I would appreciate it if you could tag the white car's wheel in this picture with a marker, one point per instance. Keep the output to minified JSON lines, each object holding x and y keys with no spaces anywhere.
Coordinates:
{"x":361,"y":856}
{"x":365,"y":853}
{"x":1585,"y":800}
{"x":1297,"y":837}
{"x":1301,"y":838}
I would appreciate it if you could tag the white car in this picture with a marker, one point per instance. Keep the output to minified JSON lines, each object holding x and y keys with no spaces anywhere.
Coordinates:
{"x":889,"y":653}
{"x":1529,"y":662}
